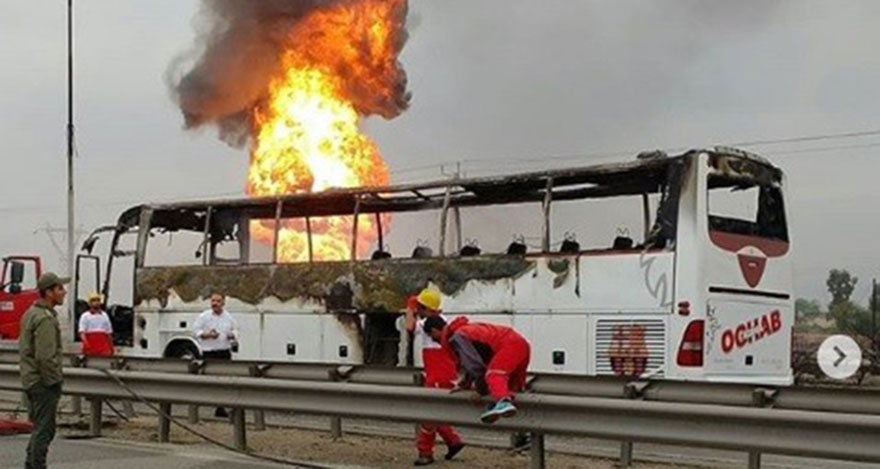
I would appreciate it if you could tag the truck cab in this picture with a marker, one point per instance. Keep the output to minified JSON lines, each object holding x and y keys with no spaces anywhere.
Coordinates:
{"x":18,"y":291}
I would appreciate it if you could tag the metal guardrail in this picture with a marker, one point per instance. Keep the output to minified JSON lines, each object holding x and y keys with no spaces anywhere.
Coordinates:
{"x":841,"y":400}
{"x":793,"y":432}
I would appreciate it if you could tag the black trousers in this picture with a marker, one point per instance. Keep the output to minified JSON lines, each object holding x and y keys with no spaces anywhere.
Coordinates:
{"x":42,"y":409}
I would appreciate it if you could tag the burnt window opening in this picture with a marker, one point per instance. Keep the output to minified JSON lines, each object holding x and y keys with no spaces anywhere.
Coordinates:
{"x":176,"y":238}
{"x":745,"y":207}
{"x":381,"y":339}
{"x":430,"y":219}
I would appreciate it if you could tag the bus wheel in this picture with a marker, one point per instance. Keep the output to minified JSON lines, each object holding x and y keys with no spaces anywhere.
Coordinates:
{"x":183,"y":350}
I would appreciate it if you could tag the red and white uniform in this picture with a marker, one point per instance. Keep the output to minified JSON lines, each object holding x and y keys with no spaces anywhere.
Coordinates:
{"x":96,"y":333}
{"x":495,"y":358}
{"x":440,"y":369}
{"x":440,"y":372}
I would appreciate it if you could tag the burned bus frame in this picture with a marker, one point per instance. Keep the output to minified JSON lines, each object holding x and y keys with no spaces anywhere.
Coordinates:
{"x":228,"y":220}
{"x":221,"y":220}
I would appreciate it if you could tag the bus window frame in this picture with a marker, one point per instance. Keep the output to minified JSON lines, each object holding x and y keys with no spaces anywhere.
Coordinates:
{"x":637,"y":178}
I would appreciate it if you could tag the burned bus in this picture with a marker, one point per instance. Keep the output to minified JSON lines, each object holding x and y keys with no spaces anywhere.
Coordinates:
{"x":694,"y":282}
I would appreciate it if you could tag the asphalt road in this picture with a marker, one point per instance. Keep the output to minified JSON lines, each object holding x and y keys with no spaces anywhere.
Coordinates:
{"x":103,"y":454}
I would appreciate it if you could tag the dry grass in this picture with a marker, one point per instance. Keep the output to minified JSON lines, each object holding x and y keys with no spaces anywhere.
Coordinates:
{"x":354,"y":450}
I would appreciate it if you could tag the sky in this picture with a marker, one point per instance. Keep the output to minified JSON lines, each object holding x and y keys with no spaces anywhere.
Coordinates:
{"x":499,"y":85}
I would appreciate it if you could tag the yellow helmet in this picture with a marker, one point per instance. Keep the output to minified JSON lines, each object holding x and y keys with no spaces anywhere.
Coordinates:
{"x":430,"y":298}
{"x":95,"y":296}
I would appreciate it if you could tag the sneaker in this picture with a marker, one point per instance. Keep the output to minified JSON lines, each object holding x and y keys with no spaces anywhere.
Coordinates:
{"x":453,"y":450}
{"x":502,"y":408}
{"x":423,"y":460}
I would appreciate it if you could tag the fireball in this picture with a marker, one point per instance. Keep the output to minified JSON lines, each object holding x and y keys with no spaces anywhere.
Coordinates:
{"x":339,"y":64}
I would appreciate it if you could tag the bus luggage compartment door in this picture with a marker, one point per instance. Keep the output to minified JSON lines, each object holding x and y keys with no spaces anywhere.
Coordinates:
{"x":748,"y":339}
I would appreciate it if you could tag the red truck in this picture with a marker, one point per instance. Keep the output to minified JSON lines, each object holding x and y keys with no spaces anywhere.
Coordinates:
{"x":18,"y":290}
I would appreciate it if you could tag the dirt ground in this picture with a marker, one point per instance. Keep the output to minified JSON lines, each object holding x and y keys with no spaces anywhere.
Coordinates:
{"x":352,"y":450}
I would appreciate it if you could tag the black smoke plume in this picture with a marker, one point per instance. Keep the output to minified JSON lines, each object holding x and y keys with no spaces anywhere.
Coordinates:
{"x":236,"y":54}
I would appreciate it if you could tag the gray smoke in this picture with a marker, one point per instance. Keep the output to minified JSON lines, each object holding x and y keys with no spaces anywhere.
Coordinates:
{"x":236,"y":54}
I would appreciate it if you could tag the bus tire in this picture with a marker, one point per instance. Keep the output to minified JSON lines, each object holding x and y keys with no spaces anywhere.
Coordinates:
{"x":183,"y":349}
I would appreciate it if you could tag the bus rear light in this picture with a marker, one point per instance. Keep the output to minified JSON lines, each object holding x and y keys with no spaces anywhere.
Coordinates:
{"x":684,"y":308}
{"x":690,"y":352}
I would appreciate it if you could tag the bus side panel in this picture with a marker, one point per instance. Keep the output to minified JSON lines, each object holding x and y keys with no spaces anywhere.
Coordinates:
{"x":292,"y":337}
{"x":170,"y":325}
{"x":341,"y":341}
{"x":747,"y":338}
{"x":594,"y":283}
{"x":559,"y":342}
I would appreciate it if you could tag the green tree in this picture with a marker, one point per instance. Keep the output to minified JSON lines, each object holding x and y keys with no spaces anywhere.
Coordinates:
{"x":841,"y":286}
{"x":804,"y":308}
{"x":851,"y":319}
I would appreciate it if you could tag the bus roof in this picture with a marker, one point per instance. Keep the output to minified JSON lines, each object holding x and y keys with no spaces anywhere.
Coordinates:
{"x":646,"y":174}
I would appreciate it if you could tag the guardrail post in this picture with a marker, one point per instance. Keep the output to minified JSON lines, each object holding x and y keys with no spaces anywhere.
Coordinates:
{"x":194,"y":367}
{"x":164,"y":422}
{"x":239,"y":428}
{"x":193,"y":414}
{"x":336,"y":427}
{"x":76,"y":401}
{"x":538,"y":456}
{"x":259,"y":420}
{"x":626,"y":454}
{"x":761,"y":397}
{"x":338,"y":375}
{"x":631,"y":390}
{"x":96,"y":406}
{"x":76,"y":406}
{"x":259,"y":414}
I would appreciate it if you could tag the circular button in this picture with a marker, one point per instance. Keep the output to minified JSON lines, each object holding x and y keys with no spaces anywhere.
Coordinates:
{"x":839,"y":357}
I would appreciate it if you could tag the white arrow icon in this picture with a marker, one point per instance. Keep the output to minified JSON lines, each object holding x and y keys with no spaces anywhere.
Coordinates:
{"x":839,"y":357}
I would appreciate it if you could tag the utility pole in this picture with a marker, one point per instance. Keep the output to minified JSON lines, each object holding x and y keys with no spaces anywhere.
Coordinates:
{"x":71,"y":221}
{"x":874,"y":317}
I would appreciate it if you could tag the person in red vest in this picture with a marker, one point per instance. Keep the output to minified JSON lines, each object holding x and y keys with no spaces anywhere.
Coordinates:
{"x":493,"y":358}
{"x":440,"y":372}
{"x":95,"y":329}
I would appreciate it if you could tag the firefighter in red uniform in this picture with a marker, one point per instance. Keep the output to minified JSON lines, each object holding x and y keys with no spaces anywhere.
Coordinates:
{"x":493,"y":358}
{"x":440,"y":372}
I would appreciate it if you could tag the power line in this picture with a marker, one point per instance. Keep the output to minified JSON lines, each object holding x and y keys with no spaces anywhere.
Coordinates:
{"x":611,"y":154}
{"x":808,"y":138}
{"x":826,"y":149}
{"x":523,"y":163}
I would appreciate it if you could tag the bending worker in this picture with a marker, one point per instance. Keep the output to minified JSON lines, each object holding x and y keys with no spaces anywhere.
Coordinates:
{"x":493,"y":358}
{"x":95,"y":329}
{"x":440,"y":372}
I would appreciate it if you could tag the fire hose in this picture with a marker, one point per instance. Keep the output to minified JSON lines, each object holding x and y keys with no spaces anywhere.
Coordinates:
{"x":215,"y":442}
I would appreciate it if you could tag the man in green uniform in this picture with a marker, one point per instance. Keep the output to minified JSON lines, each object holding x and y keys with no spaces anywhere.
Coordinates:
{"x":40,"y":348}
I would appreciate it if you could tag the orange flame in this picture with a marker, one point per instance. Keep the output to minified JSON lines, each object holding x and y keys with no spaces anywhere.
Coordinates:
{"x":340,"y":64}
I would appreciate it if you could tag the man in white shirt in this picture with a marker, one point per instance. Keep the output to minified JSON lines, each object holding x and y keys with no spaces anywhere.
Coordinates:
{"x":216,"y":330}
{"x":217,"y":333}
{"x":95,"y":329}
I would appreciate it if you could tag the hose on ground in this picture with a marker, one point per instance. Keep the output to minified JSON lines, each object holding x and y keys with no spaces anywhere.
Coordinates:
{"x":187,"y":428}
